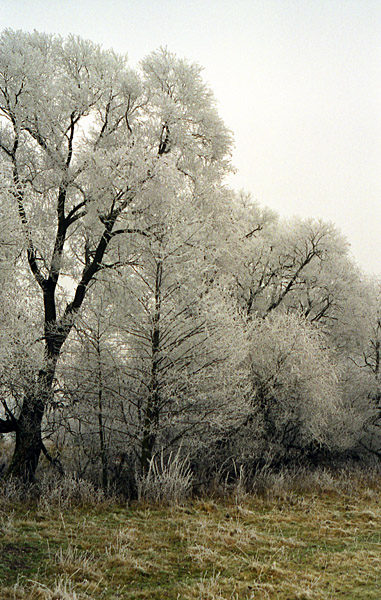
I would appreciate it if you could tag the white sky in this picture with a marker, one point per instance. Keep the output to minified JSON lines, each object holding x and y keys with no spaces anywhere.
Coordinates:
{"x":297,"y":81}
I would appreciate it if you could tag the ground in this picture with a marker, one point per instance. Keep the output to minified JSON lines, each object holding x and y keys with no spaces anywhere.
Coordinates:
{"x":295,"y":545}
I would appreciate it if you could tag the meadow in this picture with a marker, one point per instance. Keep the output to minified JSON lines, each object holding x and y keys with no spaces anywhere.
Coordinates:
{"x":321,"y":541}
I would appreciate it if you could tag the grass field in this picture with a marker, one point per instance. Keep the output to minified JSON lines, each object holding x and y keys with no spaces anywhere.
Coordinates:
{"x":295,"y":545}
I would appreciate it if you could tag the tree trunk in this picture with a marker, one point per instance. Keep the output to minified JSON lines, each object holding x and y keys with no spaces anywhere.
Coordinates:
{"x":28,"y":444}
{"x":152,"y":415}
{"x":102,"y":441}
{"x":28,"y":440}
{"x":148,"y":439}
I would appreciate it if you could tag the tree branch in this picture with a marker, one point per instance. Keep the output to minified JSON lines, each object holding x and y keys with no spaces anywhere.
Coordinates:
{"x":54,"y":461}
{"x":8,"y":152}
{"x":293,"y":279}
{"x":251,"y":233}
{"x":73,"y":214}
{"x":129,"y":230}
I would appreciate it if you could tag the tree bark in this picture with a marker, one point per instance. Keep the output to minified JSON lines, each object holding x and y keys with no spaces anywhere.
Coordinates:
{"x":152,"y":415}
{"x":28,"y":443}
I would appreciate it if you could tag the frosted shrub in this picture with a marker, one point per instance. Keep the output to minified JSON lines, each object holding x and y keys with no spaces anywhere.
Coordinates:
{"x":296,"y":391}
{"x":68,"y":491}
{"x":166,"y":481}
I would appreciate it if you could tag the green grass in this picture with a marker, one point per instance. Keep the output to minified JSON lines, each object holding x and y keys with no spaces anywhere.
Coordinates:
{"x":294,"y":546}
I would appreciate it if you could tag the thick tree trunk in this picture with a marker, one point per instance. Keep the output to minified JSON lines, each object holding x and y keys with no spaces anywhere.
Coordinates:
{"x":28,"y":440}
{"x":28,"y":428}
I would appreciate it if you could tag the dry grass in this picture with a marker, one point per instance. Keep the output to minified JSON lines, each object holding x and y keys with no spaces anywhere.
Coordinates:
{"x":167,"y":482}
{"x":323,"y":544}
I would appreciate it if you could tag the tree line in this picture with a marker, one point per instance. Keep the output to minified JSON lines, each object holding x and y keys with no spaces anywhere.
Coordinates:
{"x":148,"y":308}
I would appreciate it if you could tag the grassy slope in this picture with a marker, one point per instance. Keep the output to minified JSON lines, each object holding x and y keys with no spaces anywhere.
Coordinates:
{"x":297,"y":546}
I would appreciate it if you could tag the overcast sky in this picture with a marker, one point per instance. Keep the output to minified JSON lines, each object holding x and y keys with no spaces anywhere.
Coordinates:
{"x":297,"y":81}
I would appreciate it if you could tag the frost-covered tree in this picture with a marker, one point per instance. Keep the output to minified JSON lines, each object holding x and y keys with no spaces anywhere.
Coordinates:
{"x":179,"y":342}
{"x":188,"y":342}
{"x":295,"y":380}
{"x":81,"y":138}
{"x":361,"y":359}
{"x":20,"y":348}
